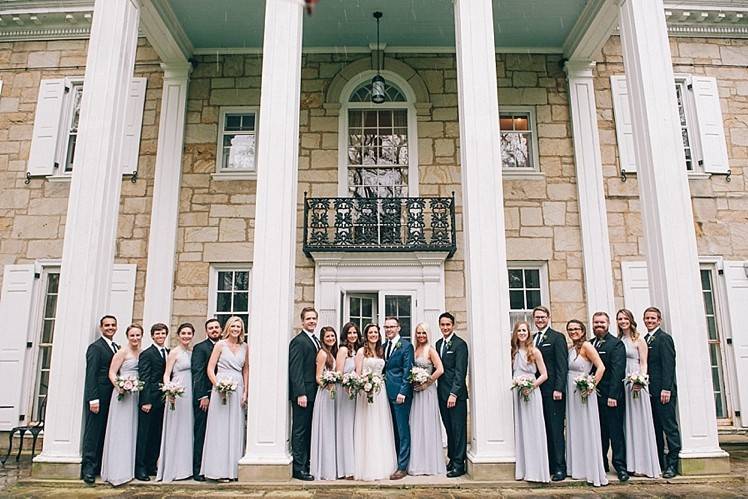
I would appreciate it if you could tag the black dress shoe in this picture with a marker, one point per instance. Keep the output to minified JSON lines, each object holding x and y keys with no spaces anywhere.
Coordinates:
{"x":450,"y":466}
{"x":623,"y":476}
{"x":142,"y":477}
{"x":669,"y":472}
{"x":198,"y":478}
{"x":303,"y":476}
{"x":153,"y":473}
{"x":558,"y":476}
{"x":89,"y":479}
{"x":455,"y":472}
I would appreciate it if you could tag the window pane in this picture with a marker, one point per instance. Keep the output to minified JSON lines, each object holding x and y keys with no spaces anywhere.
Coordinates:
{"x":711,"y":328}
{"x":367,"y":307}
{"x":505,"y":123}
{"x":48,"y":330}
{"x":400,"y":118}
{"x":241,"y":281}
{"x":50,"y":306}
{"x":533,"y":298}
{"x":224,"y":280}
{"x":53,"y":283}
{"x":532,"y":278}
{"x":706,"y":280}
{"x":241,"y":151}
{"x":354,"y":119}
{"x":515,"y":278}
{"x":516,"y":300}
{"x":355,"y":306}
{"x":241,"y":302}
{"x":515,"y":150}
{"x":223,"y":302}
{"x":521,"y":123}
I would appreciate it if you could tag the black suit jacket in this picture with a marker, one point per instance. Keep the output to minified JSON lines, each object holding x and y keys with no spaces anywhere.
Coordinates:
{"x":151,"y":367}
{"x":302,"y":368}
{"x":612,"y":352}
{"x":455,"y":361}
{"x":556,"y":358}
{"x":98,"y":358}
{"x":201,"y":385}
{"x":661,"y":363}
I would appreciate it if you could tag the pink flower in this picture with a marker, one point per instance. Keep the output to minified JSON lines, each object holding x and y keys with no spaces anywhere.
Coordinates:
{"x":128,"y":385}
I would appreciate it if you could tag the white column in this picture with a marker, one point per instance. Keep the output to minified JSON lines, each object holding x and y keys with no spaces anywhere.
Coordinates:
{"x":90,"y":227}
{"x":593,"y":215}
{"x":271,"y":319}
{"x":162,"y":238}
{"x":672,"y":258}
{"x":486,"y":279}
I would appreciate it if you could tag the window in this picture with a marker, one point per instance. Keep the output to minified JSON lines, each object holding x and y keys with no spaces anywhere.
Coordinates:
{"x":229,"y":293}
{"x":528,"y":288}
{"x":518,"y":139}
{"x":682,"y":94}
{"x":70,"y":129}
{"x":713,"y":340}
{"x":44,"y":361}
{"x":237,"y":140}
{"x":365,"y":307}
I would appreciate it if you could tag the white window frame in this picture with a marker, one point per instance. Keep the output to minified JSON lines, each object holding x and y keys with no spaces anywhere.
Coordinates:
{"x":63,"y":136}
{"x":533,"y":129}
{"x":222,"y":173}
{"x":689,"y":106}
{"x":540,"y":266}
{"x":345,"y":105}
{"x":215,"y":268}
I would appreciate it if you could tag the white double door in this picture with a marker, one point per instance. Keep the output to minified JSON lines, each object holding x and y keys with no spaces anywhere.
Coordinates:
{"x":372,"y":307}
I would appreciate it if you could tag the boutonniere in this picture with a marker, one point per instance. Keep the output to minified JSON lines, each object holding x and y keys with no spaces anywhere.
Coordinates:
{"x":449,"y":344}
{"x":398,"y":345}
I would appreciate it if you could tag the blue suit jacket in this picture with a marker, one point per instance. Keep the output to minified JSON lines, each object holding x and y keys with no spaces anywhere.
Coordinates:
{"x":397,"y":368}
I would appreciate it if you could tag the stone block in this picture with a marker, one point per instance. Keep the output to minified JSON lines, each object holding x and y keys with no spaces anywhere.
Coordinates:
{"x":531,"y":216}
{"x":47,"y":248}
{"x":567,"y":239}
{"x":562,"y":192}
{"x":46,"y":59}
{"x":734,"y":56}
{"x":323,"y":124}
{"x":35,"y":227}
{"x":189,"y":273}
{"x":201,"y":234}
{"x":519,"y":248}
{"x":14,"y":198}
{"x":705,"y":465}
{"x":324,"y":159}
{"x":131,"y":248}
{"x":522,"y":96}
{"x":566,"y":291}
{"x":552,"y":130}
{"x":444,"y":147}
{"x":232,"y":229}
{"x":228,"y":252}
{"x":554,"y":213}
{"x":524,"y":79}
{"x":200,"y":133}
{"x":235,"y":97}
{"x":264,"y":472}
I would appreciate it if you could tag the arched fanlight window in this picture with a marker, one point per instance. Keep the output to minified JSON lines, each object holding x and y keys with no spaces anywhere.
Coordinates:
{"x":391,"y":92}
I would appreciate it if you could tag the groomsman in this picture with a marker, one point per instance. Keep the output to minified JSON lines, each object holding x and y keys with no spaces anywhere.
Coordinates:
{"x":201,"y":388}
{"x":610,"y":401}
{"x":452,"y":393}
{"x":302,"y":389}
{"x":151,"y":367}
{"x":398,"y":355}
{"x":552,"y":346}
{"x":663,"y":391}
{"x":97,"y":395}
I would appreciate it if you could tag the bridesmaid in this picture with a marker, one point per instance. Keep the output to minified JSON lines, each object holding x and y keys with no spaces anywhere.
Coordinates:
{"x":118,"y":458}
{"x":426,"y":451}
{"x":323,"y":463}
{"x":641,"y":446}
{"x":529,"y":425}
{"x":584,"y":449}
{"x":175,"y":462}
{"x":225,"y":431}
{"x":345,"y":406}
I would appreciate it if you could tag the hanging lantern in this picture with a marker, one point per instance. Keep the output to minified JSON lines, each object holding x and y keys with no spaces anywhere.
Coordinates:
{"x":377,"y":83}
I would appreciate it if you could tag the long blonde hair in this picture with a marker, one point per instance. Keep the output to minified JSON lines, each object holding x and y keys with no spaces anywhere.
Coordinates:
{"x":516,"y":345}
{"x":229,"y":323}
{"x":630,"y":316}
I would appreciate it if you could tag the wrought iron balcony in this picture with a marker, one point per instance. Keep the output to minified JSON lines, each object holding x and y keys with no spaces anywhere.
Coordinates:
{"x":379,"y":224}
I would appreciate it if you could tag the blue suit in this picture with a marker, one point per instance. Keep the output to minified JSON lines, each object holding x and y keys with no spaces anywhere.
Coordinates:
{"x":396,"y":371}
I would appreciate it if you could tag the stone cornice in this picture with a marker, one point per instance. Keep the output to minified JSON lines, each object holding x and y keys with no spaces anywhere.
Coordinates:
{"x":45,"y":20}
{"x":707,"y":18}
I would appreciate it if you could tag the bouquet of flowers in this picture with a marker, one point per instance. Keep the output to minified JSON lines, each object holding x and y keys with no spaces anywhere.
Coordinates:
{"x":585,"y":384}
{"x":370,"y":384}
{"x":225,"y":387}
{"x":524,"y":385}
{"x":171,"y":391}
{"x":350,"y":382}
{"x":330,"y":378}
{"x":128,"y":384}
{"x":637,"y":380}
{"x":419,"y":375}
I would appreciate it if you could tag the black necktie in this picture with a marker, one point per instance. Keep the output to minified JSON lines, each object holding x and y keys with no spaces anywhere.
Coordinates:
{"x":441,"y":350}
{"x":389,"y":349}
{"x":316,"y":343}
{"x":115,"y":347}
{"x":647,"y":337}
{"x":538,"y":336}
{"x":163,"y":354}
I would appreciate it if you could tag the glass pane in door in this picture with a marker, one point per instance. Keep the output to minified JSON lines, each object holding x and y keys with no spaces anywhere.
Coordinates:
{"x":400,"y":306}
{"x":45,"y":346}
{"x":713,"y":340}
{"x":362,"y":309}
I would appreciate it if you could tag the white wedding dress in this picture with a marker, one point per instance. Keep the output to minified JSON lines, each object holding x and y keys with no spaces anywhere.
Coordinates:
{"x":373,"y":436}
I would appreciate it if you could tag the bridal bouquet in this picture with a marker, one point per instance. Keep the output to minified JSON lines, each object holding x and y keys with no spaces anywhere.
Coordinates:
{"x":419,"y":375}
{"x":586,"y":385}
{"x":330,"y":378}
{"x":128,"y":384}
{"x":370,"y":384}
{"x":225,"y":387}
{"x":637,"y":380}
{"x":524,"y":385}
{"x":171,"y":391}
{"x":349,"y":381}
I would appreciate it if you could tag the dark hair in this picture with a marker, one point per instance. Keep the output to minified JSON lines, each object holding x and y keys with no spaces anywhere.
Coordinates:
{"x":307,"y":309}
{"x":392,"y":318}
{"x":653,"y":309}
{"x":134,"y":326}
{"x":447,"y":315}
{"x":578,"y":344}
{"x":601,"y":314}
{"x":101,"y":321}
{"x":344,"y":338}
{"x":159,"y":326}
{"x":185,"y":325}
{"x":379,"y":349}
{"x":630,"y":316}
{"x":541,"y":308}
{"x":330,"y":352}
{"x":212,"y":319}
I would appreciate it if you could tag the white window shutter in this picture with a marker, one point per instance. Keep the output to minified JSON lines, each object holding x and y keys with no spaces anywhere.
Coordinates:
{"x":624,"y":130}
{"x":736,"y":283}
{"x":133,"y":125}
{"x":46,"y":127}
{"x":635,"y":289}
{"x":121,"y":297}
{"x":16,"y":298}
{"x":711,"y":129}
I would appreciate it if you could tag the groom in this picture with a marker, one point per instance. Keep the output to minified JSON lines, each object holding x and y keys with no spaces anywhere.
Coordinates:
{"x":398,"y":355}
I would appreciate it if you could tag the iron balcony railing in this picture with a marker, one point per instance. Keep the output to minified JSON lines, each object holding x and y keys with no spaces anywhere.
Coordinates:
{"x":379,"y":224}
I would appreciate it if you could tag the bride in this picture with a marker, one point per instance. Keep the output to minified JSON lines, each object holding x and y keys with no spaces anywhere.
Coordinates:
{"x":373,"y":437}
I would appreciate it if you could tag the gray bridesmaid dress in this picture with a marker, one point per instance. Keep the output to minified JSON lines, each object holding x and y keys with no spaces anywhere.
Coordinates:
{"x":345,"y":416}
{"x":118,"y":457}
{"x":584,"y":449}
{"x":529,"y":428}
{"x":641,"y":447}
{"x":426,"y":452}
{"x":175,"y":462}
{"x":322,"y":453}
{"x":225,"y":431}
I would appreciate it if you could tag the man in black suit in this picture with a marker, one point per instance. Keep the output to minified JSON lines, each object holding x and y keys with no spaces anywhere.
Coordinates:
{"x":663,"y":391}
{"x":201,"y":388}
{"x":97,"y":395}
{"x":552,"y":346}
{"x":151,"y":367}
{"x":452,"y":393}
{"x":302,"y":389}
{"x":610,"y":401}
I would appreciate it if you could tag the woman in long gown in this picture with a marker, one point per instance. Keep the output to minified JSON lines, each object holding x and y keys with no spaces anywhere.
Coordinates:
{"x":345,"y":406}
{"x":175,"y":462}
{"x":641,"y":446}
{"x":529,"y":426}
{"x":225,"y":429}
{"x":584,"y":449}
{"x":323,"y":461}
{"x":373,"y":436}
{"x":118,"y":457}
{"x":426,"y":451}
